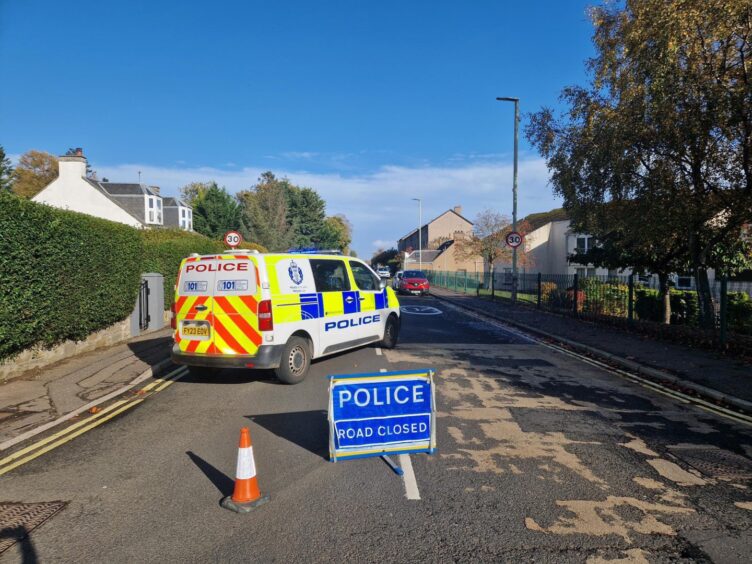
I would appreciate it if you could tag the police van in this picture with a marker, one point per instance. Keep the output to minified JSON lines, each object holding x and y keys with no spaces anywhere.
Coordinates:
{"x":245,"y":309}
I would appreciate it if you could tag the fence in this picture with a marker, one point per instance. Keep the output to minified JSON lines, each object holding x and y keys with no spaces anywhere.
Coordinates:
{"x":608,"y":297}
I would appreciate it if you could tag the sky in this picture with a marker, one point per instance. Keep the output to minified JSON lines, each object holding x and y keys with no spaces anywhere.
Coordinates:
{"x":370,"y":103}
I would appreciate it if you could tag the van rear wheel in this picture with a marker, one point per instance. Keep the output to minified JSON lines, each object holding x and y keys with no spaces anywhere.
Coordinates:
{"x":295,"y":361}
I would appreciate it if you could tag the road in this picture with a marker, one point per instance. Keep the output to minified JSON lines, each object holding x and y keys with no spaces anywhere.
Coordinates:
{"x":541,"y":457}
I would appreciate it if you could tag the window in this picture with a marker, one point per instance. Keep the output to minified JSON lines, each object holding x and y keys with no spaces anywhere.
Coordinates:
{"x":364,"y":278}
{"x":684,"y":281}
{"x":584,"y":244}
{"x":151,"y":202}
{"x":330,"y":275}
{"x":159,"y":217}
{"x":151,"y":217}
{"x":182,"y":212}
{"x":159,"y":203}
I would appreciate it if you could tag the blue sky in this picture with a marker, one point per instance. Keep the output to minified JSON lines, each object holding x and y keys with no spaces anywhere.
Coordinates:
{"x":370,"y":103}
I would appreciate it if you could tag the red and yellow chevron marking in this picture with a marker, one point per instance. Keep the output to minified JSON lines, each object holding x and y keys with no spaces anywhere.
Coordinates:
{"x":184,"y":308}
{"x":235,"y":325}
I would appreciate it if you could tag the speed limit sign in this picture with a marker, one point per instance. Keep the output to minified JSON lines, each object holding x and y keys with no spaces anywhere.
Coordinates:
{"x":233,"y":239}
{"x":514,"y":239}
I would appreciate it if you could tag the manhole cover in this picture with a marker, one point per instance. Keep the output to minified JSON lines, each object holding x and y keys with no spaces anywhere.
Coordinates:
{"x":17,"y":520}
{"x":715,"y":462}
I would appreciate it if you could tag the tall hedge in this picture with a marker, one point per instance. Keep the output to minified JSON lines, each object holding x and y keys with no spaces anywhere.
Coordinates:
{"x":165,"y":248}
{"x":63,"y":275}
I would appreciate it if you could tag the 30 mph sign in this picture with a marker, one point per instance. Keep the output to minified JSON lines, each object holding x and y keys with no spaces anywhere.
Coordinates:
{"x":233,"y":239}
{"x":514,"y":239}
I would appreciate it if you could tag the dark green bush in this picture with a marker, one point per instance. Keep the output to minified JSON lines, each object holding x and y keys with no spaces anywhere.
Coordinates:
{"x":165,"y":248}
{"x":739,"y":310}
{"x":684,"y":306}
{"x":63,"y":275}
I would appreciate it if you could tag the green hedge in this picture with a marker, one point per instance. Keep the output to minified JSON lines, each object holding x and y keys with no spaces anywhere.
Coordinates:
{"x":165,"y":248}
{"x":63,"y":275}
{"x":739,"y":310}
{"x":684,"y":307}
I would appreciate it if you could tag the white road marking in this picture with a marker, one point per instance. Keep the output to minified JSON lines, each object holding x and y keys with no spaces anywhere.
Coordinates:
{"x":411,"y":486}
{"x":382,"y":370}
{"x":379,"y":352}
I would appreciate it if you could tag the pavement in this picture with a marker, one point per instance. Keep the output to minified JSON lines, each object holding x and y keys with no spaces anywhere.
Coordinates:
{"x":44,"y":395}
{"x":541,"y":458}
{"x":698,"y":369}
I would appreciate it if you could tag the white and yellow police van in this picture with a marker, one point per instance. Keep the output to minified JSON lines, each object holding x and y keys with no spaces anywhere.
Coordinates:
{"x":244,"y":309}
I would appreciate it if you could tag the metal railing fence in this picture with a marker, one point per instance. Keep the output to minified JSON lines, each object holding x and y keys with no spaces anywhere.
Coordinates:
{"x":607,"y":297}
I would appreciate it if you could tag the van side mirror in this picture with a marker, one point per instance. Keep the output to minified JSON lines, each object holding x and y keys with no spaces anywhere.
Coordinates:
{"x":382,"y":284}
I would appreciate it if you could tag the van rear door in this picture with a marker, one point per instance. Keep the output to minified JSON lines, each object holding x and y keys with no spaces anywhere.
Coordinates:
{"x":193,"y":306}
{"x":235,"y":307}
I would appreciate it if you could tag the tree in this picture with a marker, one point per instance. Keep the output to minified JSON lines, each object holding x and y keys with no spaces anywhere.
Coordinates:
{"x":666,"y":120}
{"x":216,"y":212}
{"x":488,"y":239}
{"x":264,"y":214}
{"x":35,"y":170}
{"x":6,"y":172}
{"x":192,"y":193}
{"x":336,"y":233}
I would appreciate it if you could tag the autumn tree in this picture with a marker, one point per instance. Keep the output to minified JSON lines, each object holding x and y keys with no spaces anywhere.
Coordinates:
{"x":192,"y":193}
{"x":35,"y":170}
{"x":6,"y":172}
{"x":488,"y":239}
{"x":666,"y":121}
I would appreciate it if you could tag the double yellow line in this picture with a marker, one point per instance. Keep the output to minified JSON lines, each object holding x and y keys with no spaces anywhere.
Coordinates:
{"x":72,"y":431}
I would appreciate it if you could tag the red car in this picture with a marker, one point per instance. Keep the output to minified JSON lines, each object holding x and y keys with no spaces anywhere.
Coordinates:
{"x":413,"y":282}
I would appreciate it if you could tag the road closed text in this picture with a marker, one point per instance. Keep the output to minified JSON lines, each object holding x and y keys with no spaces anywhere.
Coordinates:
{"x":383,"y":431}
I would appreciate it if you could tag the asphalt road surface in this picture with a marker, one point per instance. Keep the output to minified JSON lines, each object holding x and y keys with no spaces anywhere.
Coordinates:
{"x":541,"y":457}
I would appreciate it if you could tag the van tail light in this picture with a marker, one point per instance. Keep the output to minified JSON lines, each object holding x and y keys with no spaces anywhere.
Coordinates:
{"x":173,"y":317}
{"x":266,"y":321}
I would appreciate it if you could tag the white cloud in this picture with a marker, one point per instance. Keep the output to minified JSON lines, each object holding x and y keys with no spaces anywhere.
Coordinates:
{"x":378,"y":203}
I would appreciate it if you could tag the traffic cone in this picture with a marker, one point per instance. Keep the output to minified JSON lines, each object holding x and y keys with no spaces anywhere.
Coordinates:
{"x":246,"y":495}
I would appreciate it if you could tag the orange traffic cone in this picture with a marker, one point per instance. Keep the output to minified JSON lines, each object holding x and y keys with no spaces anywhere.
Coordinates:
{"x":246,"y":495}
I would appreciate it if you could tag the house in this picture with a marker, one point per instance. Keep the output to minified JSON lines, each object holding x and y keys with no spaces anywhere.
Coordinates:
{"x":438,"y":251}
{"x":177,"y":213}
{"x":442,"y":227}
{"x":137,"y":205}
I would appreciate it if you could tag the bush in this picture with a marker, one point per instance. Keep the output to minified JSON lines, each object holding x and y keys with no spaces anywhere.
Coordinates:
{"x":165,"y":248}
{"x":253,"y":247}
{"x":605,"y":298}
{"x":739,"y":311}
{"x":64,"y":274}
{"x":684,"y":306}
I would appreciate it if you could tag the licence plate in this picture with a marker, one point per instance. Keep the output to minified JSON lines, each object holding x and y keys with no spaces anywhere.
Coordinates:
{"x":196,"y":331}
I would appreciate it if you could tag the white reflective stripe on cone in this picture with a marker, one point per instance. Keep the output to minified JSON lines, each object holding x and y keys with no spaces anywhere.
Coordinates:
{"x":246,"y":467}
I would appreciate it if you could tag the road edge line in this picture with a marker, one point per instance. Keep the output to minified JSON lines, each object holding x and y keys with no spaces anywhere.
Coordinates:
{"x":145,"y":375}
{"x":652,"y":374}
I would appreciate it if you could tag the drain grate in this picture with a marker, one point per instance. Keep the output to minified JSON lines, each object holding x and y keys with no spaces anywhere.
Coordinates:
{"x":715,"y":462}
{"x":17,"y":520}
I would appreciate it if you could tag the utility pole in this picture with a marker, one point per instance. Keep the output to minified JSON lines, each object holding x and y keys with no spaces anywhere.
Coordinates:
{"x":420,"y":233}
{"x":514,"y":190}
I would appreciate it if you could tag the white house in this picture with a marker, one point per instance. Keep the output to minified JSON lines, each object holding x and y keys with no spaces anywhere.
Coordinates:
{"x":71,"y":190}
{"x":134,"y":204}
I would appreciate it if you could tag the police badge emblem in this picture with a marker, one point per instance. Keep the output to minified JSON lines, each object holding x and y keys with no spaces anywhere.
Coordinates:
{"x":295,"y":272}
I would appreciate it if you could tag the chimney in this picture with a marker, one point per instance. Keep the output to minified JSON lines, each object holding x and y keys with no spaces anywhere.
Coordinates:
{"x":155,"y":189}
{"x":458,"y":210}
{"x":72,"y":166}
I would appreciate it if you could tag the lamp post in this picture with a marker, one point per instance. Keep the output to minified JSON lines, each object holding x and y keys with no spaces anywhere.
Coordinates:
{"x":514,"y":189}
{"x":420,"y":233}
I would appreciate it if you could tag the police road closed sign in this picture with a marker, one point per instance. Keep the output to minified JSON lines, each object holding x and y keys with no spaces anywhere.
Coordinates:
{"x":233,"y":239}
{"x":381,"y":413}
{"x":514,"y":239}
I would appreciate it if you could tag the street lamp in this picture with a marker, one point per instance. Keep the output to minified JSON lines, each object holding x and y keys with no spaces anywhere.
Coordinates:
{"x":514,"y":189}
{"x":420,"y":233}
